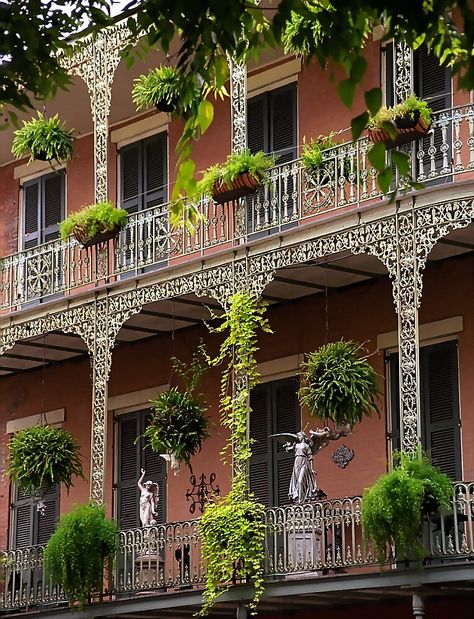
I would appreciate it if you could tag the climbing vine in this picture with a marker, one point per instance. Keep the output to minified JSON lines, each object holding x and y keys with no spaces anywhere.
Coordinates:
{"x":232,"y":528}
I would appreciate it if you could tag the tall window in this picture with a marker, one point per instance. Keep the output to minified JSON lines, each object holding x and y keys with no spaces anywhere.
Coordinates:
{"x":133,"y":455}
{"x":275,"y":409}
{"x":30,"y":526}
{"x":43,"y":209}
{"x":439,"y":405}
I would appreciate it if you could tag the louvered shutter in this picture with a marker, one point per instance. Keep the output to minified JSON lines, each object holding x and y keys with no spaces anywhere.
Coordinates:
{"x":287,"y":418}
{"x":128,"y":494}
{"x":394,"y":401}
{"x":46,"y":522}
{"x":440,"y":406}
{"x":31,"y":213}
{"x":155,"y":178}
{"x":22,"y":520}
{"x":257,"y":124}
{"x":133,"y":455}
{"x":282,"y":104}
{"x":387,"y":55}
{"x":433,"y":84}
{"x":260,"y":468}
{"x":131,"y":177}
{"x":53,"y":205}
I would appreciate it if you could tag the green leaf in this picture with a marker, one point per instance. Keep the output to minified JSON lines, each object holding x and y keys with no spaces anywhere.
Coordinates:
{"x":384,"y":179}
{"x":205,"y":115}
{"x":373,"y":100}
{"x":186,"y":169}
{"x":376,"y":156}
{"x":402,"y":162}
{"x":358,"y":69}
{"x":346,"y":90}
{"x":358,"y":124}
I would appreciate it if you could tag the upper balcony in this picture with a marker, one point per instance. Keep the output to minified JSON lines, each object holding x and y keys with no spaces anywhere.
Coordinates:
{"x":293,"y":197}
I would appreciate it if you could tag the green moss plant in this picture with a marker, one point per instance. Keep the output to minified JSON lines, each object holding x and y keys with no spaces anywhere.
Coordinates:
{"x":338,"y":384}
{"x":43,"y":456}
{"x":76,"y":555}
{"x":255,"y":164}
{"x":232,"y":529}
{"x":44,"y":138}
{"x":92,"y":220}
{"x":393,"y":508}
{"x":178,"y":424}
{"x":165,"y":88}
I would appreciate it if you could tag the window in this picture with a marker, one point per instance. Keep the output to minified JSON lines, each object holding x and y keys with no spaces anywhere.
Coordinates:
{"x":143,"y":185}
{"x":43,"y":209}
{"x":132,"y":456}
{"x":439,"y":405}
{"x":275,"y":409}
{"x":272,"y":127}
{"x":30,"y":526}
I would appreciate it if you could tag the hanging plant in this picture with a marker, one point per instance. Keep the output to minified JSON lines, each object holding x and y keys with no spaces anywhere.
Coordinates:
{"x":232,"y":529}
{"x":44,"y":138}
{"x":338,"y":384}
{"x":178,"y":425}
{"x":94,"y":224}
{"x":77,"y":554}
{"x":393,"y":508}
{"x":239,"y":176}
{"x":43,"y":456}
{"x":166,"y":89}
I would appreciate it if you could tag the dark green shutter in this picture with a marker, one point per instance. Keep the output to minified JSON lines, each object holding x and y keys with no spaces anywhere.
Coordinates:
{"x":31,"y":527}
{"x":53,"y":200}
{"x":31,"y":213}
{"x":440,"y":407}
{"x":155,"y":172}
{"x":387,"y":59}
{"x":132,"y":456}
{"x":43,"y":208}
{"x":131,"y":177}
{"x":282,"y":111}
{"x":257,"y":124}
{"x":275,"y":410}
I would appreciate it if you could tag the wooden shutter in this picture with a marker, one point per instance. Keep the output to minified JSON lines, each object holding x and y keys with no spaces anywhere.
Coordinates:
{"x":387,"y":56}
{"x":287,"y":418}
{"x":440,"y":407}
{"x":260,"y":428}
{"x":275,"y":410}
{"x":257,"y":124}
{"x":282,"y":112}
{"x":131,"y":177}
{"x":52,"y":205}
{"x":155,"y":172}
{"x":133,"y":455}
{"x":31,"y":213}
{"x":30,"y":527}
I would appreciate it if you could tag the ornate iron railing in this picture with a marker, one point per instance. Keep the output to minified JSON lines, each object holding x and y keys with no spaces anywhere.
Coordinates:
{"x":317,"y":539}
{"x":292,"y":196}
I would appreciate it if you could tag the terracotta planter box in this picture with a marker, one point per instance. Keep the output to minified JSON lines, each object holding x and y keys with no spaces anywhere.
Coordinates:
{"x":243,"y":185}
{"x":408,"y":129}
{"x":100,"y":237}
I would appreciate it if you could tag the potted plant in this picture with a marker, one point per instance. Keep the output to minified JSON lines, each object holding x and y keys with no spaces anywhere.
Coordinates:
{"x":338,"y":384}
{"x":43,"y":456}
{"x":167,"y":90}
{"x":313,"y":159}
{"x":94,"y":224}
{"x":402,"y":123}
{"x":232,"y":532}
{"x":240,"y":175}
{"x":178,"y":425}
{"x":44,"y":138}
{"x":394,"y":507}
{"x":77,"y":553}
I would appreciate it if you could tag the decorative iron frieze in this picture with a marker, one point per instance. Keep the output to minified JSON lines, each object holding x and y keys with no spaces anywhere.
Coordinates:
{"x":201,"y":491}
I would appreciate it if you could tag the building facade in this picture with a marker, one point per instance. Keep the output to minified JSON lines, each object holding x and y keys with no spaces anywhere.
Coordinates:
{"x":86,"y":335}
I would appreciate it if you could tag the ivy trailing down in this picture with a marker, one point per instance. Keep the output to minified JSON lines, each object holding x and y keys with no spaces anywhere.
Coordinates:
{"x":232,"y":528}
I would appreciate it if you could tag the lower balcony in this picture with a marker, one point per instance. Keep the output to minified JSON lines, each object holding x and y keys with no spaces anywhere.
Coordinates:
{"x":314,"y":542}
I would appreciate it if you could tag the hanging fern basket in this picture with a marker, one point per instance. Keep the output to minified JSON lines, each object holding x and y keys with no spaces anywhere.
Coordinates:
{"x":42,"y":457}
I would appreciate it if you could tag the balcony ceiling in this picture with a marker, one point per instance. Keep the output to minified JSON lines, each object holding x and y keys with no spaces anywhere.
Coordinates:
{"x":289,"y":284}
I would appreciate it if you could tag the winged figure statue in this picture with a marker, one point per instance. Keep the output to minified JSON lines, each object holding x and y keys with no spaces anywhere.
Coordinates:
{"x":303,"y":484}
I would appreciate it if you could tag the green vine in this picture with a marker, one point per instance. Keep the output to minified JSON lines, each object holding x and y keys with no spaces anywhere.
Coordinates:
{"x":232,"y":529}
